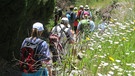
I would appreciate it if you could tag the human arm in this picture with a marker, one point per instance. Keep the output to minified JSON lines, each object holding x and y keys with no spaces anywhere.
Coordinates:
{"x":47,"y":56}
{"x":92,"y":26}
{"x":78,"y":28}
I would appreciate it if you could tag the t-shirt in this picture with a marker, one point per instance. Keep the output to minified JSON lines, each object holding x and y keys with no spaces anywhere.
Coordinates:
{"x":43,"y":49}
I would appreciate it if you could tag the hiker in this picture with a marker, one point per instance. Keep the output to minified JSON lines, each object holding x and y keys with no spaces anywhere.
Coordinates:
{"x":75,"y":11}
{"x":71,"y":15}
{"x":92,"y":24}
{"x":63,"y":36}
{"x":57,"y":15}
{"x":85,"y":24}
{"x":86,"y":9}
{"x":41,"y":53}
{"x":75,"y":24}
{"x":80,"y":12}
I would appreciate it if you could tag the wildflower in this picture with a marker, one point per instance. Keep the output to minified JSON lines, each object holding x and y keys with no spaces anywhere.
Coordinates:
{"x":120,"y":69}
{"x":102,"y":56}
{"x":129,"y":75}
{"x":99,"y":46}
{"x":105,"y":64}
{"x":134,"y":21}
{"x":132,"y":51}
{"x":112,"y":68}
{"x":118,"y":61}
{"x":91,"y":48}
{"x":128,"y":64}
{"x":134,"y":28}
{"x":131,"y":22}
{"x":115,"y":19}
{"x":116,"y":42}
{"x":99,"y":74}
{"x":121,"y":44}
{"x":133,"y":65}
{"x":130,"y":9}
{"x":87,"y":38}
{"x":111,"y":20}
{"x":116,"y":67}
{"x":123,"y":38}
{"x":111,"y":72}
{"x":127,"y":53}
{"x":110,"y":41}
{"x":120,"y":74}
{"x":112,"y":59}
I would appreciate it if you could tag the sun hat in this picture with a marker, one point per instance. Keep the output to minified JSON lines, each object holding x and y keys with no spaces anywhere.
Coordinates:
{"x":38,"y":26}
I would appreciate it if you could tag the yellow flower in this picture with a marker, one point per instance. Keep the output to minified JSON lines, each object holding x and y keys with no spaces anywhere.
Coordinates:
{"x":112,"y":59}
{"x":87,"y":38}
{"x":111,"y":20}
{"x":123,"y":38}
{"x":134,"y":21}
{"x":134,"y":28}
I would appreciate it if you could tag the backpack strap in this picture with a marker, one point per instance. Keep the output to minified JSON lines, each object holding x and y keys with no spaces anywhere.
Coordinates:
{"x":30,"y":41}
{"x":63,"y":30}
{"x":67,"y":35}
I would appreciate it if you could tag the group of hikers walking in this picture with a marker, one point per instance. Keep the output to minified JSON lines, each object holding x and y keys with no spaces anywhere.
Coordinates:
{"x":36,"y":52}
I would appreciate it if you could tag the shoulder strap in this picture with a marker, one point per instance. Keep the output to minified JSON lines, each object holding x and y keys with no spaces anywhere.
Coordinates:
{"x":62,"y":29}
{"x":40,"y":41}
{"x":67,"y":35}
{"x":30,"y":40}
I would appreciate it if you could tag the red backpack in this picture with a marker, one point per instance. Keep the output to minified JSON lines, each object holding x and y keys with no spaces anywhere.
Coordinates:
{"x":29,"y":62}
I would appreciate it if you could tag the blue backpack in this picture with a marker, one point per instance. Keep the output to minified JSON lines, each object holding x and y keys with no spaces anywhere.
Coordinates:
{"x":71,"y":16}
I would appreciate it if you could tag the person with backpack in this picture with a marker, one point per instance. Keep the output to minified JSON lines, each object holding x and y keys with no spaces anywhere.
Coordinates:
{"x":57,"y":15}
{"x":80,"y":12}
{"x":35,"y":54}
{"x":85,"y":25}
{"x":71,"y":15}
{"x":86,"y":9}
{"x":60,"y":34}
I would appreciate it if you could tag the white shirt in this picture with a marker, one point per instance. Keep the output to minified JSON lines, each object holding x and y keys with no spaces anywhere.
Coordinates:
{"x":61,"y":34}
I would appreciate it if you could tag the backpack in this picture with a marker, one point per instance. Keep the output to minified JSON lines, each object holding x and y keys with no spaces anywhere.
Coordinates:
{"x":29,"y":62}
{"x":71,"y":16}
{"x":80,"y":14}
{"x":55,"y":38}
{"x":86,"y":13}
{"x":84,"y":25}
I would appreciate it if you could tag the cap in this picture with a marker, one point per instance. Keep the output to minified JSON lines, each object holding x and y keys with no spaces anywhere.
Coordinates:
{"x":86,"y":7}
{"x":38,"y":26}
{"x":81,"y":6}
{"x":75,"y":8}
{"x":65,"y":20}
